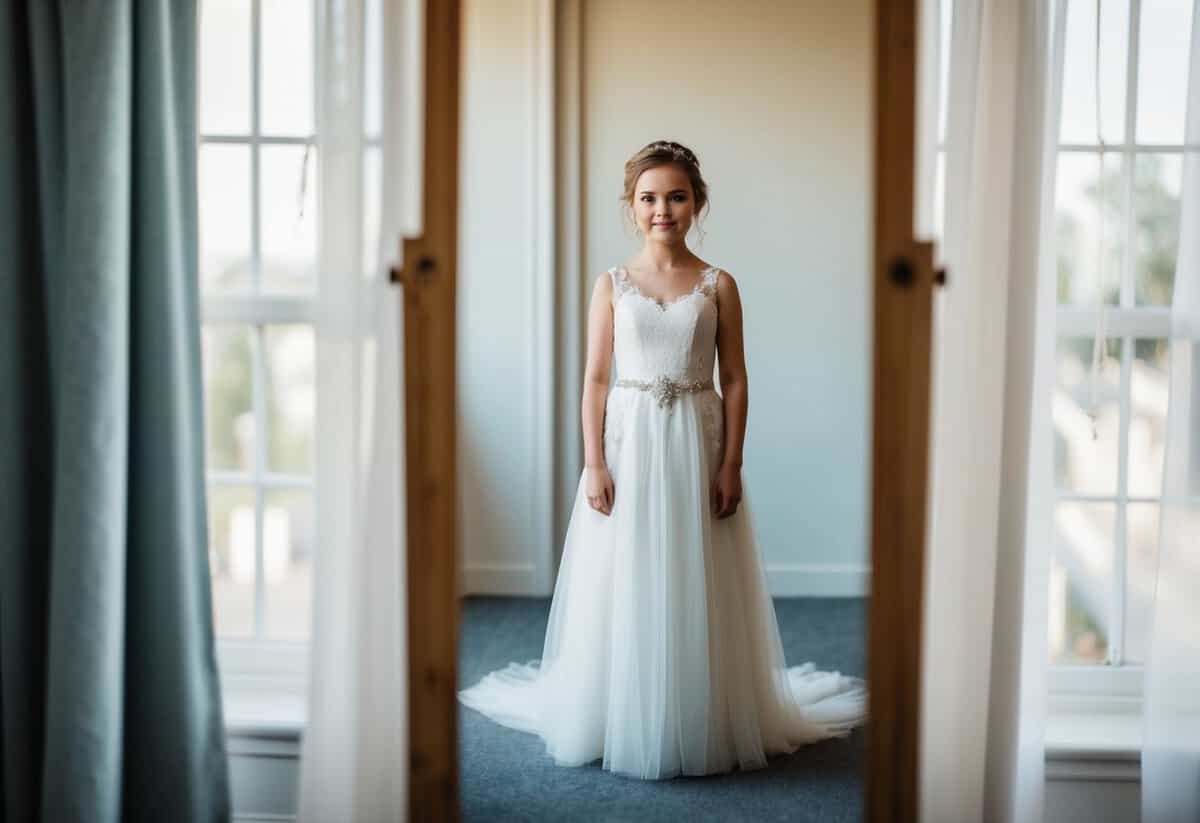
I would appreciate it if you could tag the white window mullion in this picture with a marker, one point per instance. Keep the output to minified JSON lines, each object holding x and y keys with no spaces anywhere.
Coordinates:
{"x":256,"y":366}
{"x":230,"y":478}
{"x":258,"y":369}
{"x":1084,"y":497}
{"x":1080,"y":321}
{"x":256,"y":140}
{"x":249,"y":309}
{"x":1140,"y":148}
{"x":1129,"y":154}
{"x":255,"y":161}
{"x":270,"y":480}
{"x":1116,"y":639}
{"x":273,"y":480}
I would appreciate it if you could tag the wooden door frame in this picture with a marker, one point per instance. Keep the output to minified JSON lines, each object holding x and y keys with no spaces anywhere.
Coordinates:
{"x":903,"y":280}
{"x":903,"y":276}
{"x":429,"y":275}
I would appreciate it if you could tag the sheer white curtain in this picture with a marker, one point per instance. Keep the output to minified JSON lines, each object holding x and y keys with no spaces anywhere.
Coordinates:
{"x":1171,"y":747}
{"x":990,"y":527}
{"x":355,"y":754}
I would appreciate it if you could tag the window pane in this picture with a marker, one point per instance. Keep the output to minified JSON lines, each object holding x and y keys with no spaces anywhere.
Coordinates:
{"x":289,"y":227}
{"x":231,"y":535}
{"x":1157,"y":181}
{"x":291,"y":398}
{"x":1148,"y":417}
{"x":228,"y":398}
{"x":224,"y":84}
{"x":1088,"y":216}
{"x":287,"y":67}
{"x":1164,"y":35}
{"x":1083,"y":463}
{"x":287,"y":562}
{"x":224,"y":191}
{"x":1080,"y":582}
{"x":1079,"y":72}
{"x":1141,"y":555}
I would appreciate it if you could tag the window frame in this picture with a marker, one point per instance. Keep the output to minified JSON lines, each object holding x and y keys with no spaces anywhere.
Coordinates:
{"x":1114,"y":687}
{"x":256,"y":663}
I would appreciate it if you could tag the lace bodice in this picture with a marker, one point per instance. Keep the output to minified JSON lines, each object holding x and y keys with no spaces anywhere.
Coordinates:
{"x":675,"y":338}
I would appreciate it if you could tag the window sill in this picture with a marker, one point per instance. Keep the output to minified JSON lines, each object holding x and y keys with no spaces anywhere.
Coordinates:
{"x":263,"y":688}
{"x":1104,"y":746}
{"x":264,"y":710}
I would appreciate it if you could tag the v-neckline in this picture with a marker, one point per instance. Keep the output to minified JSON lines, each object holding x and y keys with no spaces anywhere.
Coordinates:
{"x":662,"y":304}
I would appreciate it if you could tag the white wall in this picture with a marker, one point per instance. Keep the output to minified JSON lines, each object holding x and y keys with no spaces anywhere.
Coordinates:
{"x":497,"y":420}
{"x":775,"y":100}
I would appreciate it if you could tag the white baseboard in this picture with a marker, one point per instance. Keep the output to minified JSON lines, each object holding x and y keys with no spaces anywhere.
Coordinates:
{"x":501,"y":578}
{"x":818,"y":579}
{"x":783,"y":579}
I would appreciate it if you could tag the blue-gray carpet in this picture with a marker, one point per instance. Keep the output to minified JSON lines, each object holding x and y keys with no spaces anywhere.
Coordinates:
{"x":507,"y":776}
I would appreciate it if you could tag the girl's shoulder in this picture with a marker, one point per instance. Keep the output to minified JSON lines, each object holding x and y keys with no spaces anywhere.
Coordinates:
{"x":722,"y":279}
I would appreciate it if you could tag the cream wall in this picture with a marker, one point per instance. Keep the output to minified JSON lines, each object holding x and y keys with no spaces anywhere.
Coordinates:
{"x":498,"y":426}
{"x":774,"y":99}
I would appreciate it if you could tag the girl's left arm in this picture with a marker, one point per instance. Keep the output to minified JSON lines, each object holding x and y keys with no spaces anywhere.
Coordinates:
{"x":732,"y":368}
{"x":735,"y":391}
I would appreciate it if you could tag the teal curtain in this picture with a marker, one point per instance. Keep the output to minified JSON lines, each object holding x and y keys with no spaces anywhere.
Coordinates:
{"x":109,"y":700}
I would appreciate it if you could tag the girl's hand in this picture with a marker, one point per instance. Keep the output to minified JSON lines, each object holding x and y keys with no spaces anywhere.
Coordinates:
{"x":598,"y":486}
{"x":726,"y":490}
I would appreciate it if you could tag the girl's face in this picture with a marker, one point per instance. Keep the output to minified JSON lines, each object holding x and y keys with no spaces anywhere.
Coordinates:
{"x":663,"y":205}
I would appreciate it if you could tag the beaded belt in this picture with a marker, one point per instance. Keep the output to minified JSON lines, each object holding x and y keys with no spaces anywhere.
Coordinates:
{"x":665,"y":389}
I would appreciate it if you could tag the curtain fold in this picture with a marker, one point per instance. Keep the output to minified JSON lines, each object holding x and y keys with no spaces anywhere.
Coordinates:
{"x":1171,"y":743}
{"x":354,"y":762}
{"x":983,"y":671}
{"x":109,"y":697}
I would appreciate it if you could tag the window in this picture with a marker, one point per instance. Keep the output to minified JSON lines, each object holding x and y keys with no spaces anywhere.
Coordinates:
{"x":261,"y":225}
{"x":1116,"y":212}
{"x":258,"y":253}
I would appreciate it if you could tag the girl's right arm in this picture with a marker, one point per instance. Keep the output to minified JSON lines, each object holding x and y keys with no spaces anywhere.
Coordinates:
{"x":595,"y":394}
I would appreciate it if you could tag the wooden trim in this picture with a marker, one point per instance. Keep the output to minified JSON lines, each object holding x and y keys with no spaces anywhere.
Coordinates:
{"x":902,"y":347}
{"x":542,"y":158}
{"x":571,"y":318}
{"x":428,"y":276}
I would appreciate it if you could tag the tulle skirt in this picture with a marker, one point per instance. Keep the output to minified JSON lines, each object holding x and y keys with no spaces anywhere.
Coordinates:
{"x":662,"y":653}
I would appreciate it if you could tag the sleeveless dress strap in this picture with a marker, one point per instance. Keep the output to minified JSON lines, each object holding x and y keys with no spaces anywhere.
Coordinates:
{"x":620,"y":281}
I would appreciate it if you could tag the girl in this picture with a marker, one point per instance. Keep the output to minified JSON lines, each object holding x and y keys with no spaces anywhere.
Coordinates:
{"x":662,"y":653}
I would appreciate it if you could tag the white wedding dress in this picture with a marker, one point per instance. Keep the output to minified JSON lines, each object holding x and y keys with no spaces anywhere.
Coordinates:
{"x":662,"y":653}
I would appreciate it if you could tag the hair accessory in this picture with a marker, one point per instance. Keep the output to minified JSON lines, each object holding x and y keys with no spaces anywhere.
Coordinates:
{"x":674,"y":148}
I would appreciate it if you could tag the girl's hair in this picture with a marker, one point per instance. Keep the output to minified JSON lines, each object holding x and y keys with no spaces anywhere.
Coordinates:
{"x":660,"y":153}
